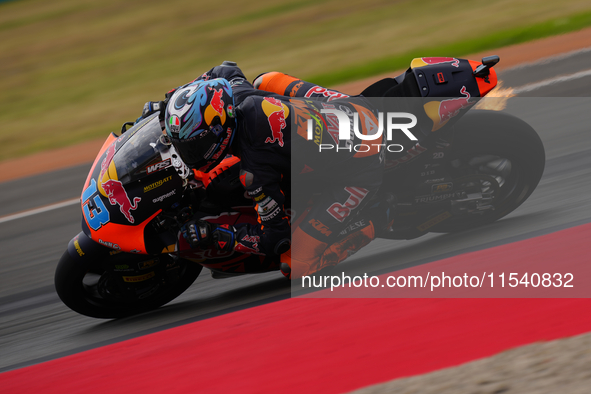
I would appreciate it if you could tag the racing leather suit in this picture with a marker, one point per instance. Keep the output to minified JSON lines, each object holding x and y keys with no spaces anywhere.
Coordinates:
{"x":282,"y":169}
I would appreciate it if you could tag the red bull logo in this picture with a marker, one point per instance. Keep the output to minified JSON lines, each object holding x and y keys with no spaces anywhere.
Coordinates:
{"x":216,"y":101}
{"x":427,"y":61}
{"x":450,"y":108}
{"x":246,"y":249}
{"x":215,"y":107}
{"x":117,"y":195}
{"x":110,"y":152}
{"x":341,"y":211}
{"x":441,"y":112}
{"x":319,"y":91}
{"x":276,"y":113}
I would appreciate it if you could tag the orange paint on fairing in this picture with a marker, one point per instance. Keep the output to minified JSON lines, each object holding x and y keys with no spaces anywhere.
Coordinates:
{"x":483,"y":86}
{"x":110,"y":139}
{"x":128,"y":237}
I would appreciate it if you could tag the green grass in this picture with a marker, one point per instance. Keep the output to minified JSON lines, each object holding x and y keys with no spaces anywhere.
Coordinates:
{"x":72,"y":70}
{"x":492,"y":41}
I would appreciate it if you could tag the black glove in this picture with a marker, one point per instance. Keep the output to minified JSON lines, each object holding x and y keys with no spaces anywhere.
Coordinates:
{"x":152,"y":107}
{"x":201,"y":234}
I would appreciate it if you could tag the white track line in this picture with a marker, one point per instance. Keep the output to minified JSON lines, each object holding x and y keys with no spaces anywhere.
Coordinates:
{"x":35,"y":211}
{"x":551,"y":81}
{"x":549,"y":59}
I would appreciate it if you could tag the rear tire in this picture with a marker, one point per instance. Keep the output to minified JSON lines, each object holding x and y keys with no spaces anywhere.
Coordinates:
{"x":483,"y":140}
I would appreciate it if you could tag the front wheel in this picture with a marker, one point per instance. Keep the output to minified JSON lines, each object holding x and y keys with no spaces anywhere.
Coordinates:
{"x":105,"y":284}
{"x":498,"y":157}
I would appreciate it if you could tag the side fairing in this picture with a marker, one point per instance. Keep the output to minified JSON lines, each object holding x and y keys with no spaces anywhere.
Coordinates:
{"x":131,"y":181}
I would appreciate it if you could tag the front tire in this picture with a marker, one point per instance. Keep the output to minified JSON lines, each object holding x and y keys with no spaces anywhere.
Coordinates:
{"x":84,"y":285}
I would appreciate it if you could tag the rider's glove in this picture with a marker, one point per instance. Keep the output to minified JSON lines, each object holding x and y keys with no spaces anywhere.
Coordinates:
{"x":201,"y":234}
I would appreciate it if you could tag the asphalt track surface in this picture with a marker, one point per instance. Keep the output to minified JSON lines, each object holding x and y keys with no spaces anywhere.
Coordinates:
{"x":35,"y":326}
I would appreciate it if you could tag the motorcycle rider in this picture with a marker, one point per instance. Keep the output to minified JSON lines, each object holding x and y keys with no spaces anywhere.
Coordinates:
{"x":222,"y":113}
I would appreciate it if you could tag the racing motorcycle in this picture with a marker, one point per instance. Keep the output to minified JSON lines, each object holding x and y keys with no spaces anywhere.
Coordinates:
{"x":472,"y":168}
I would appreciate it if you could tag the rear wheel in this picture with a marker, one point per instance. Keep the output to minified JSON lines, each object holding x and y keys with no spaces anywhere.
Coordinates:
{"x":135,"y":284}
{"x":499,"y":159}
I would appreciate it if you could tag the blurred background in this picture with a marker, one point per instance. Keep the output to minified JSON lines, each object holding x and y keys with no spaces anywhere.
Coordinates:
{"x":74,"y":70}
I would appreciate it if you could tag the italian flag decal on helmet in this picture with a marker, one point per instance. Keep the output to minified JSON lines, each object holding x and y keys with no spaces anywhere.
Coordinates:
{"x":174,"y":123}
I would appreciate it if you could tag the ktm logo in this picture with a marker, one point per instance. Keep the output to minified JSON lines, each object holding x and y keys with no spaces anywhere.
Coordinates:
{"x":321,"y":227}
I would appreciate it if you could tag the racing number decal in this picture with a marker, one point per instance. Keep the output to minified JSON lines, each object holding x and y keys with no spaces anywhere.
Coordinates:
{"x":98,"y":215}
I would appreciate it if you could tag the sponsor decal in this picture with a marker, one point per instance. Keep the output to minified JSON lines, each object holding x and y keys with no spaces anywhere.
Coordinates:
{"x":306,"y":169}
{"x":435,"y":198}
{"x":109,"y":244}
{"x":147,"y":264}
{"x":174,"y":123}
{"x":110,"y":152}
{"x":246,"y":178}
{"x":164,"y":196}
{"x":118,"y":196}
{"x":438,"y":60}
{"x":236,"y":82}
{"x":211,"y":253}
{"x":266,"y":206}
{"x":450,"y":108}
{"x":158,"y":166}
{"x":210,"y":151}
{"x":277,"y":113}
{"x":295,"y":88}
{"x":251,"y":238}
{"x":140,"y":278}
{"x":216,"y":101}
{"x":271,"y":215}
{"x":215,"y":107}
{"x":432,"y":222}
{"x":259,"y":198}
{"x":320,"y":227}
{"x":441,"y":112}
{"x":341,"y":211}
{"x":255,"y":191}
{"x":332,"y":124}
{"x":353,"y":226}
{"x":157,"y":184}
{"x":441,"y":187}
{"x":319,"y":91}
{"x":78,"y":248}
{"x":411,"y":153}
{"x":254,"y":249}
{"x":203,"y":133}
{"x":224,"y":144}
{"x":217,"y":129}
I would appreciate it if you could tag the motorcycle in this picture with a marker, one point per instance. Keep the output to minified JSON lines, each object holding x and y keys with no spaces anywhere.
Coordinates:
{"x":130,"y":256}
